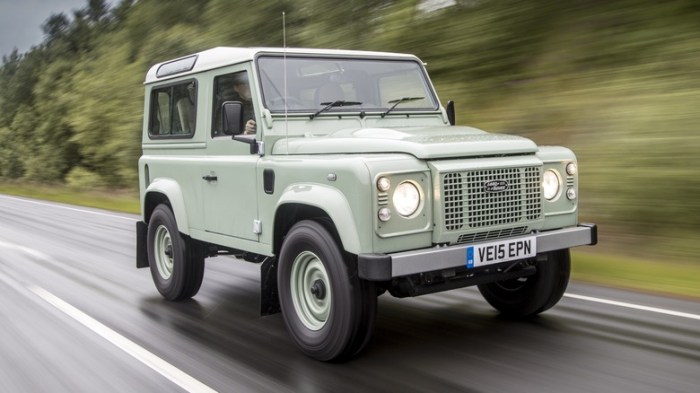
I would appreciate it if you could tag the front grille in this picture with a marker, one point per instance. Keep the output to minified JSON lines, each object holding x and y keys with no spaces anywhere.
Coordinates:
{"x":469,"y":203}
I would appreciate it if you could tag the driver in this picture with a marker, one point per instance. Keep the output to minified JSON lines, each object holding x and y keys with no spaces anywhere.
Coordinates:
{"x":242,"y":88}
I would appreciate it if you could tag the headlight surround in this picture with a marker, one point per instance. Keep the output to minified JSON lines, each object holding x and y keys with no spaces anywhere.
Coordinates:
{"x":551,"y":184}
{"x":406,"y":198}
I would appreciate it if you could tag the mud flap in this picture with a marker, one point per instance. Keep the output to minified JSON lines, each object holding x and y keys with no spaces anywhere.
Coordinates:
{"x":269,"y":296}
{"x":141,"y":241}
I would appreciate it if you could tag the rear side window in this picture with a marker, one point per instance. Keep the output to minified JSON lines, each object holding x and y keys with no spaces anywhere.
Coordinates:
{"x":173,"y":111}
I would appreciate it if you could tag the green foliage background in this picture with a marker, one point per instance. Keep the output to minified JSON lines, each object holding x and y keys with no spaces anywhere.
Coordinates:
{"x":617,"y":81}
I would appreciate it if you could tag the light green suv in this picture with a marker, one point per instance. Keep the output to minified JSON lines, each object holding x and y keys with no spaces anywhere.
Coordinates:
{"x":343,"y":176}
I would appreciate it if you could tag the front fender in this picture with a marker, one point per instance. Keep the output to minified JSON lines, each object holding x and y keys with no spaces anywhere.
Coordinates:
{"x":170,"y":190}
{"x":331,"y":201}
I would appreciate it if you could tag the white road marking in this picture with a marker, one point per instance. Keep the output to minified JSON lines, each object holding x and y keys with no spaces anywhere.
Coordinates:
{"x":35,"y":253}
{"x":68,"y":208}
{"x":634,"y":306}
{"x":159,"y":365}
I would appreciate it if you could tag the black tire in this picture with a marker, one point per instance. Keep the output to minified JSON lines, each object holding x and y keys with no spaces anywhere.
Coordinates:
{"x":529,"y":296}
{"x":176,"y":262}
{"x":328,"y":310}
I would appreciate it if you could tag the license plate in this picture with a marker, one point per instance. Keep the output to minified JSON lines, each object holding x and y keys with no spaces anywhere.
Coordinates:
{"x":501,"y":251}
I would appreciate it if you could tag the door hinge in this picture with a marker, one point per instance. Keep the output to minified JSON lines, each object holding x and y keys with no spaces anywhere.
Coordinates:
{"x":257,"y":227}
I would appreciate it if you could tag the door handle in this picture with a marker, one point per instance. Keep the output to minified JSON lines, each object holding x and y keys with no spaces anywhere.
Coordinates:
{"x":210,"y":178}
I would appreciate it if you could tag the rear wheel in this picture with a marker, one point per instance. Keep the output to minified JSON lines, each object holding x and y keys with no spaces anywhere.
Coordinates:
{"x":176,"y":262}
{"x":529,"y":296}
{"x":328,"y":310}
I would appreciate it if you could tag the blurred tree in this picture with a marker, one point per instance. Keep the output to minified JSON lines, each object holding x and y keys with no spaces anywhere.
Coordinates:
{"x":52,"y":153}
{"x":10,"y":64}
{"x":97,"y":11}
{"x":55,"y":27}
{"x":244,"y":23}
{"x":121,"y":11}
{"x":20,"y":145}
{"x":19,"y":74}
{"x":347,"y":24}
{"x":11,"y":166}
{"x":108,"y":139}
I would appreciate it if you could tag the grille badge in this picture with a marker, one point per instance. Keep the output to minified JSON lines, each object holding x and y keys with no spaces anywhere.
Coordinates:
{"x":495,"y":186}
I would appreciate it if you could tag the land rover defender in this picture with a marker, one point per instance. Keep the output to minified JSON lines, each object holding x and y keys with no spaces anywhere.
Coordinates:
{"x":343,"y":176}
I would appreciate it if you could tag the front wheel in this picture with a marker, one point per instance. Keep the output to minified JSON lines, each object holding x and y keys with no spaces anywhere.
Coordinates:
{"x":529,"y":296}
{"x":328,"y":310}
{"x":176,"y":262}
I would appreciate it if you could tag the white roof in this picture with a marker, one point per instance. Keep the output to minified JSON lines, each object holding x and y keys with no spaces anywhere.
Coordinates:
{"x":223,"y":56}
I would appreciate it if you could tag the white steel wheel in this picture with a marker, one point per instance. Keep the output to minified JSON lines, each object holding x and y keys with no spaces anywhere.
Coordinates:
{"x":176,"y":261}
{"x":163,"y":252}
{"x":311,"y":290}
{"x":328,"y":310}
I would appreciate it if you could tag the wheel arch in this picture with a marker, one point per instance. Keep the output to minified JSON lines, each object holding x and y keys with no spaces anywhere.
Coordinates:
{"x":289,"y":214}
{"x":166,"y":191}
{"x":323,"y":204}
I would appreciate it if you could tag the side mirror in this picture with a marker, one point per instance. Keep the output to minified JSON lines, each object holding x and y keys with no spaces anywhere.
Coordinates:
{"x":451,"y":112}
{"x":233,"y":117}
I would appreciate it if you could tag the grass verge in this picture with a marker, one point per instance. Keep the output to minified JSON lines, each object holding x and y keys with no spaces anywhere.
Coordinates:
{"x":659,"y":276}
{"x":122,"y":201}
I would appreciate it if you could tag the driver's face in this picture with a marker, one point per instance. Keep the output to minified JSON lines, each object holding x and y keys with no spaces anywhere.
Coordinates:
{"x":243,"y":89}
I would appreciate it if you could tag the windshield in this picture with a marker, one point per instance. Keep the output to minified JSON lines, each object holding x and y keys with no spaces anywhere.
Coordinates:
{"x":344,"y":84}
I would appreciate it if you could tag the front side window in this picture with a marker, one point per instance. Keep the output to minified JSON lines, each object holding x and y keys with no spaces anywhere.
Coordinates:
{"x":371,"y":85}
{"x":233,"y":87}
{"x":173,"y":111}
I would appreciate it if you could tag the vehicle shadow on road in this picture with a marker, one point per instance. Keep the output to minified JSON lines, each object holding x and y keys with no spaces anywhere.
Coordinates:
{"x":456,"y":332}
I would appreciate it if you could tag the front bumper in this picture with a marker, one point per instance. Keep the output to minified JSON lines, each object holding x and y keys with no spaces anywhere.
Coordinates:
{"x":383,"y":267}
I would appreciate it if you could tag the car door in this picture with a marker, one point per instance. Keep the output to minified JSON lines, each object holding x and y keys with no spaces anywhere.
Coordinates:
{"x":229,"y":171}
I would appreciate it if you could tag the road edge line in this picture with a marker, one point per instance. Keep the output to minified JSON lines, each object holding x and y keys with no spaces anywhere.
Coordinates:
{"x":149,"y":359}
{"x":634,"y":306}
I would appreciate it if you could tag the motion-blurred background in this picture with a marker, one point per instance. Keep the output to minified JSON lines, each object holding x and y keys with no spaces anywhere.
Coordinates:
{"x":617,"y":81}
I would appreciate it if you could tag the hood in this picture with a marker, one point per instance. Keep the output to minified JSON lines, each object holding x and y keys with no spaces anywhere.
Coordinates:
{"x":421,"y":142}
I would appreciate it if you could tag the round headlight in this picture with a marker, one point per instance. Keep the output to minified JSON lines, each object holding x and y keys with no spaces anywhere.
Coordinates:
{"x":550,"y":184}
{"x":406,"y":198}
{"x":383,"y":184}
{"x":571,"y":168}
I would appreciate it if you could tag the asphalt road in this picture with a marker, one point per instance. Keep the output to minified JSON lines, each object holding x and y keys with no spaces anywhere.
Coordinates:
{"x":77,"y":316}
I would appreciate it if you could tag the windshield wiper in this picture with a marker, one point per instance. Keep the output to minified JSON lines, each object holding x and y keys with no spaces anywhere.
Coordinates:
{"x":329,"y":105}
{"x":399,"y":101}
